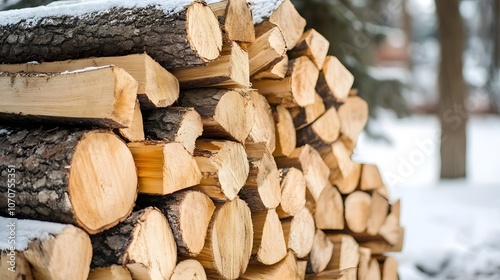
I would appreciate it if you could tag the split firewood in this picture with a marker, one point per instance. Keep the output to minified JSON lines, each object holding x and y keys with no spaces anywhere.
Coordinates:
{"x":373,"y":272}
{"x":334,"y":81}
{"x":329,"y":213}
{"x":262,"y":187}
{"x":143,"y":243}
{"x":112,"y":272}
{"x":296,"y":89}
{"x":235,"y":18}
{"x":175,"y":124}
{"x":299,"y":232}
{"x":188,"y":213}
{"x":378,"y":213}
{"x":321,"y":253}
{"x":357,"y":211}
{"x":285,"y":132}
{"x":281,"y":14}
{"x":225,"y":113}
{"x":322,"y":132}
{"x":293,"y":192}
{"x":157,"y":87}
{"x":370,"y":178}
{"x":314,"y":168}
{"x":189,"y":269}
{"x":164,"y":167}
{"x":14,"y":266}
{"x":229,"y":241}
{"x":346,"y":252}
{"x":390,"y":229}
{"x":313,"y":45}
{"x":346,"y":184}
{"x":308,"y":114}
{"x":269,"y":245}
{"x":364,"y":263}
{"x":388,"y":268}
{"x":353,"y":115}
{"x":301,"y":269}
{"x":224,"y":168}
{"x":135,"y":132}
{"x":285,"y":269}
{"x":44,"y":250}
{"x":81,"y":177}
{"x":70,"y":97}
{"x":345,"y":274}
{"x":278,"y":71}
{"x":268,"y":50}
{"x":188,"y":35}
{"x":380,"y":246}
{"x":230,"y":69}
{"x":263,"y":129}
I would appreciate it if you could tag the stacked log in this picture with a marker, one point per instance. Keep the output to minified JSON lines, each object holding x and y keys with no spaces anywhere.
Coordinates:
{"x":184,"y":140}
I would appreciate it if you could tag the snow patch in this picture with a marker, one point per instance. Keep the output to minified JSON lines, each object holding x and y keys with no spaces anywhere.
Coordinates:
{"x":26,"y":231}
{"x":93,"y":68}
{"x":86,"y":9}
{"x":262,"y":9}
{"x":4,"y":132}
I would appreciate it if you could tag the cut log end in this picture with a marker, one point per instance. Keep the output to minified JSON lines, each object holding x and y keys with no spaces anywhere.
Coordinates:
{"x":135,"y":132}
{"x":203,"y":31}
{"x":285,"y":269}
{"x":223,"y":164}
{"x":269,"y":242}
{"x":263,"y":129}
{"x":293,"y":192}
{"x":321,"y":252}
{"x":102,"y":162}
{"x":329,"y":212}
{"x":189,"y":270}
{"x":299,"y":233}
{"x":229,"y":243}
{"x":174,"y":124}
{"x":357,"y":211}
{"x":304,"y":77}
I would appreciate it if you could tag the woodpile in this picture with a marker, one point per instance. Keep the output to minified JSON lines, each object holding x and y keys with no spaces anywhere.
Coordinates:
{"x":185,"y":140}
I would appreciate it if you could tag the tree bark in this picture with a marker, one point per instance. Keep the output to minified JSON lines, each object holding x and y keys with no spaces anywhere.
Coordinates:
{"x":55,"y":182}
{"x":452,"y":90}
{"x":144,"y":243}
{"x":175,"y":124}
{"x":188,"y":213}
{"x":188,"y":37}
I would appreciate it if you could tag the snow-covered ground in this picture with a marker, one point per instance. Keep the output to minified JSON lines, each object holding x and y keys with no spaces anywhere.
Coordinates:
{"x":452,"y":227}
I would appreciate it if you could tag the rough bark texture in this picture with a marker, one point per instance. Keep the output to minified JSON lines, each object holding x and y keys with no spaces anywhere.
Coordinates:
{"x":110,"y":246}
{"x":173,"y":124}
{"x":40,"y":158}
{"x":171,"y":207}
{"x":114,"y":32}
{"x":452,"y":90}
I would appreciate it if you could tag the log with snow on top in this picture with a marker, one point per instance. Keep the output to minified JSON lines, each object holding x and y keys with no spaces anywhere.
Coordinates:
{"x":174,"y":33}
{"x":157,"y":87}
{"x":43,"y":250}
{"x":81,"y":177}
{"x":143,"y":243}
{"x":70,"y":97}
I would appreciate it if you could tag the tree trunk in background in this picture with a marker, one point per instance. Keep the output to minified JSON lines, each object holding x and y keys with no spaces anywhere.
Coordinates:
{"x":452,"y":90}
